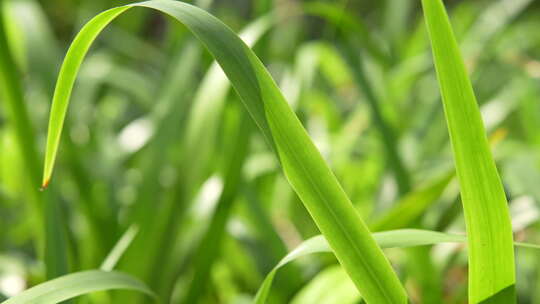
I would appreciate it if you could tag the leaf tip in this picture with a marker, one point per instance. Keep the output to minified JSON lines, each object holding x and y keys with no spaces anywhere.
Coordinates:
{"x":45,"y":184}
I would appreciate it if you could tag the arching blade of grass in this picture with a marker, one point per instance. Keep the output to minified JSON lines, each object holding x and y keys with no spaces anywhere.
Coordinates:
{"x":76,"y":284}
{"x":302,"y":163}
{"x":491,"y":253}
{"x":402,"y":238}
{"x":201,"y":125}
{"x":64,"y":85}
{"x":208,"y":104}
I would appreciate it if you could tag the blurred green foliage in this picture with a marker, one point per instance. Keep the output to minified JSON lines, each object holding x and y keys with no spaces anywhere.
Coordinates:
{"x":154,"y":130}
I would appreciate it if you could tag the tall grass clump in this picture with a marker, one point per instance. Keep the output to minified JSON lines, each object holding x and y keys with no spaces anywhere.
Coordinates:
{"x":333,"y":172}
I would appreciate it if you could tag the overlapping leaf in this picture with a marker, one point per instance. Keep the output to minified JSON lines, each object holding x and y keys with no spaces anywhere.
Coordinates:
{"x":491,"y":257}
{"x":302,"y":163}
{"x":76,"y":284}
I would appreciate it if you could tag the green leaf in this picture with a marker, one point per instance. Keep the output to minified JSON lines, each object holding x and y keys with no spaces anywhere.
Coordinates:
{"x":208,"y":103}
{"x":198,"y":142}
{"x":491,"y":253}
{"x":119,"y":248}
{"x":402,"y":238}
{"x":64,"y":84}
{"x":76,"y":284}
{"x":302,"y":163}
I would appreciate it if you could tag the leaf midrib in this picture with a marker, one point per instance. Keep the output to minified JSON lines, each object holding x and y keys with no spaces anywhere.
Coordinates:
{"x":334,"y":216}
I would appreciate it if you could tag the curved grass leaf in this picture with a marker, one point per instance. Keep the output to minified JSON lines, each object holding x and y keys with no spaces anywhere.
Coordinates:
{"x":208,"y":103}
{"x":198,"y":144}
{"x":402,"y":238}
{"x":64,"y":84}
{"x":76,"y":284}
{"x":302,"y":163}
{"x":491,"y":257}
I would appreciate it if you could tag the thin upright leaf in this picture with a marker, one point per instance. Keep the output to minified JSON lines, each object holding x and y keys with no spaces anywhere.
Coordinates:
{"x":491,"y":252}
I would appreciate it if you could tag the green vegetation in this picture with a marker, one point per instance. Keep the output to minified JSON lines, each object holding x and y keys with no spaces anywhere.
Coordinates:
{"x":339,"y":138}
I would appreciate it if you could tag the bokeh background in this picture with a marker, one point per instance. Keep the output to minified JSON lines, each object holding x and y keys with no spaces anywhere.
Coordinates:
{"x":152,"y":136}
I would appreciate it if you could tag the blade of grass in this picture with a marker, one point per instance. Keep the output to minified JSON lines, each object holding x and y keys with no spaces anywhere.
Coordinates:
{"x":402,"y":238}
{"x":208,"y":102}
{"x":453,"y":210}
{"x":302,"y":163}
{"x":64,"y":85}
{"x":198,"y":145}
{"x":43,"y":61}
{"x":76,"y":284}
{"x":491,"y":258}
{"x":119,"y":248}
